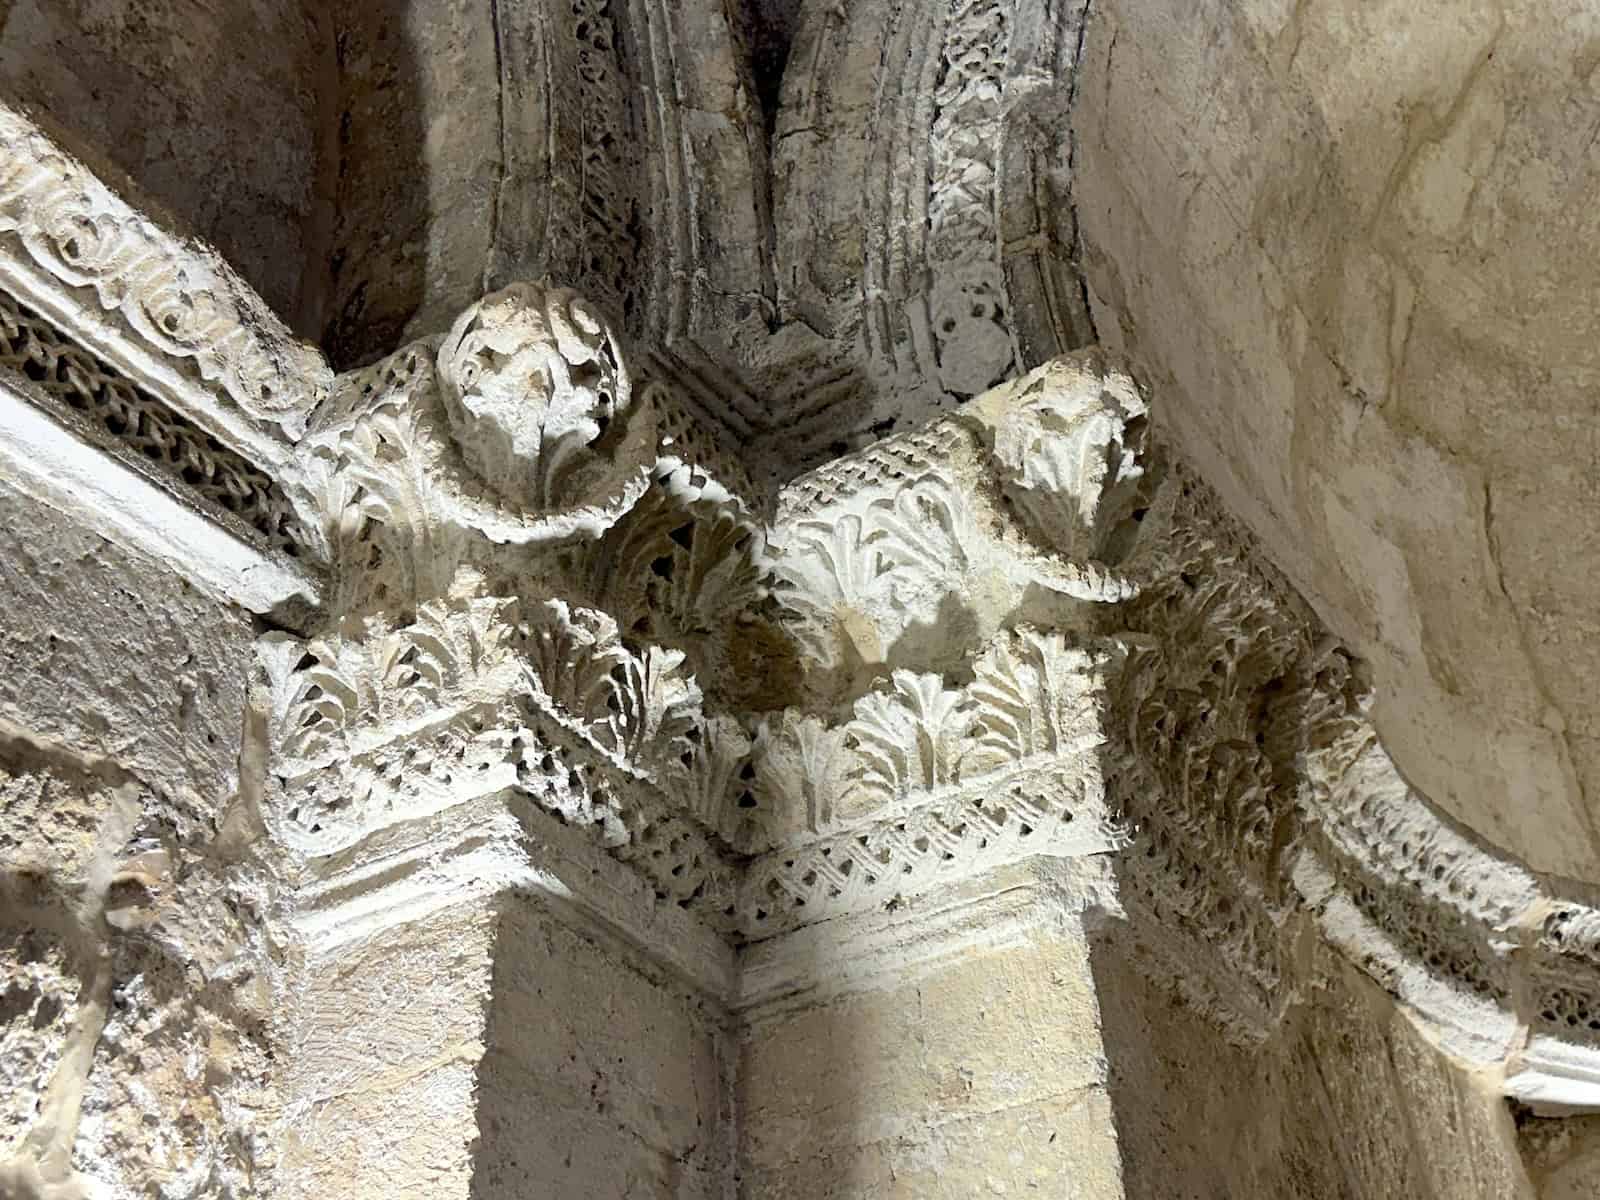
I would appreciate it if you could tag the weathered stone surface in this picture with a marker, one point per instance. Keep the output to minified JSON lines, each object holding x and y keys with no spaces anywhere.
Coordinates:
{"x":940,"y":1064}
{"x":1056,"y":1147}
{"x":1344,"y":1099}
{"x":38,"y":1007}
{"x":136,"y":967}
{"x":620,"y":825}
{"x":111,"y":654}
{"x":601,"y":1077}
{"x":383,"y":1039}
{"x":1349,"y":245}
{"x":216,"y":112}
{"x":516,"y":1053}
{"x":417,"y":151}
{"x":134,"y":979}
{"x":1562,"y":1155}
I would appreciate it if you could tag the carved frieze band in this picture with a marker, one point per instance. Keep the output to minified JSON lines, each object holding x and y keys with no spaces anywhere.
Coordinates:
{"x":124,"y":419}
{"x":1262,"y":802}
{"x":490,"y":696}
{"x":70,"y":245}
{"x":999,"y":636}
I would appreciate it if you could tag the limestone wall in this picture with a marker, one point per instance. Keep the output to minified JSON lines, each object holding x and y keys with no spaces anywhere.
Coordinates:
{"x":418,"y":99}
{"x":603,"y":1077}
{"x":134,"y":1000}
{"x":951,"y":1052}
{"x":383,"y":1037}
{"x":1342,"y":1100}
{"x":1351,"y":248}
{"x":494,"y":1050}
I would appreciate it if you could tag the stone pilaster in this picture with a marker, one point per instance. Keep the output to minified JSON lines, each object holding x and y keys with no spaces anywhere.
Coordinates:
{"x":948,"y":1048}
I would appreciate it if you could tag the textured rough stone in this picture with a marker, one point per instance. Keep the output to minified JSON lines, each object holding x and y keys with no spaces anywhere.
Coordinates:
{"x":111,"y":654}
{"x":1562,"y":1155}
{"x":1349,"y":246}
{"x":418,"y":150}
{"x":38,"y":1004}
{"x":134,"y":1040}
{"x":384,"y":1037}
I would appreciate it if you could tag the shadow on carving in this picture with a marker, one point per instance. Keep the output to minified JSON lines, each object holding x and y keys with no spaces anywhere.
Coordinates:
{"x":378,"y":265}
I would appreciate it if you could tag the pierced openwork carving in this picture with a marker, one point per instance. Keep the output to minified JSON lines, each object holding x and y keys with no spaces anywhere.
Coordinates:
{"x":1056,"y":811}
{"x":970,"y":322}
{"x":127,"y":420}
{"x":479,"y":697}
{"x":999,"y":636}
{"x":535,"y":584}
{"x":1264,"y":809}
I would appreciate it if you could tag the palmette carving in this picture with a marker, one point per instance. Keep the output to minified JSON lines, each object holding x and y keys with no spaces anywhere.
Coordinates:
{"x":344,"y":701}
{"x":906,"y":554}
{"x":1034,"y":706}
{"x":474,"y":700}
{"x":526,"y":399}
{"x":1033,"y":695}
{"x":641,"y":707}
{"x":909,"y":738}
{"x":803,"y":771}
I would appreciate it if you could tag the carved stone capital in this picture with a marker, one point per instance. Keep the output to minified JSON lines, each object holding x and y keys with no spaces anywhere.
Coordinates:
{"x":929,"y":697}
{"x":540,"y":402}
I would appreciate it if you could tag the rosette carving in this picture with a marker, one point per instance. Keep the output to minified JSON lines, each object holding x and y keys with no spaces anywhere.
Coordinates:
{"x":540,"y":404}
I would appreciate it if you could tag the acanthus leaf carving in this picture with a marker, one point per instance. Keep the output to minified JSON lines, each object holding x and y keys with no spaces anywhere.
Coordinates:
{"x":1072,"y":457}
{"x":1033,"y":694}
{"x":539,"y":398}
{"x":658,"y":715}
{"x":573,"y":657}
{"x":642,"y":708}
